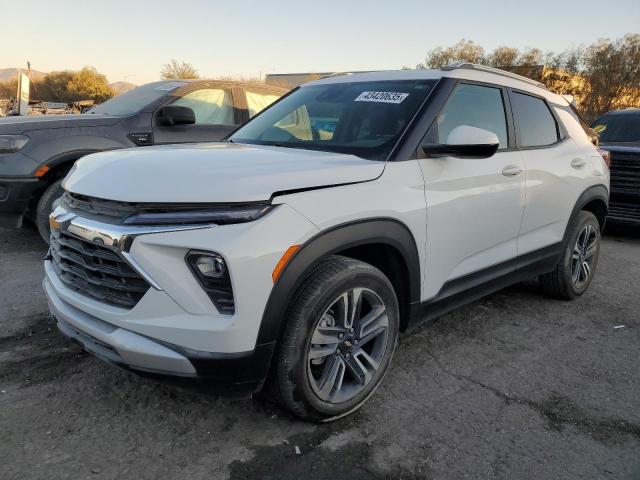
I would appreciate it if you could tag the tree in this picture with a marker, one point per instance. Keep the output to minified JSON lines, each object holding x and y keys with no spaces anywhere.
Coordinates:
{"x":612,"y":69}
{"x":503,"y":57}
{"x":8,"y":89}
{"x":530,"y":58}
{"x":178,"y":70}
{"x":54,"y":86}
{"x":601,"y":77}
{"x":68,"y":86}
{"x":464,"y":50}
{"x":89,"y":84}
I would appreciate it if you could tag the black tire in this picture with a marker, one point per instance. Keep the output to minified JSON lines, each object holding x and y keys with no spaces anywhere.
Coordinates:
{"x":327,"y":283}
{"x":560,"y":282}
{"x":45,"y":205}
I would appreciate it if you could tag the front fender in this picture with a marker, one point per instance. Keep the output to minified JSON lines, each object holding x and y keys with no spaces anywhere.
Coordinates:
{"x":56,"y":150}
{"x":369,"y":231}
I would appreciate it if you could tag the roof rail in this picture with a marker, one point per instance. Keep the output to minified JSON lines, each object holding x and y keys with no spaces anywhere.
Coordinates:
{"x":496,"y":71}
{"x":338,"y":74}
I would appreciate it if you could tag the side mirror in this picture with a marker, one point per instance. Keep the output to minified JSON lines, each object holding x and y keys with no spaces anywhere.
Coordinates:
{"x":465,"y":142}
{"x":176,"y":115}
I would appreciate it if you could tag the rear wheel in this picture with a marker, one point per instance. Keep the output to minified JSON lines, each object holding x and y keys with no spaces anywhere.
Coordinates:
{"x":338,"y":341}
{"x":45,"y":205}
{"x":576,"y":269}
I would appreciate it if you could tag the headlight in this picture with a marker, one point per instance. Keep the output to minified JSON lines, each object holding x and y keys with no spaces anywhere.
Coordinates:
{"x":215,"y":215}
{"x":12,"y":143}
{"x":211,"y":271}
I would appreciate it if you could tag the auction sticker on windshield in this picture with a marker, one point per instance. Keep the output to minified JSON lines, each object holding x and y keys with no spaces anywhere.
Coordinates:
{"x":382,"y":97}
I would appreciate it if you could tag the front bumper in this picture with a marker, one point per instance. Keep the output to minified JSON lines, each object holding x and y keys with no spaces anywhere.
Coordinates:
{"x":174,"y":332}
{"x":15,"y":196}
{"x":227,"y":374}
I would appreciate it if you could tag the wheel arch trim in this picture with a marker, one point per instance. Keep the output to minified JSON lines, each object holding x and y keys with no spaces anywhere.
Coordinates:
{"x":341,"y":237}
{"x":70,"y":156}
{"x":595,"y":192}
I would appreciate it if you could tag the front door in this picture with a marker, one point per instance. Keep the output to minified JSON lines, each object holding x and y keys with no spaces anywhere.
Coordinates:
{"x":214,"y":112}
{"x":474,"y":206}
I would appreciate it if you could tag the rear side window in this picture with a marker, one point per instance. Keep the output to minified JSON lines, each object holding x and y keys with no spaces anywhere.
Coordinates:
{"x":472,"y":105}
{"x":259,"y":101}
{"x":535,"y":123}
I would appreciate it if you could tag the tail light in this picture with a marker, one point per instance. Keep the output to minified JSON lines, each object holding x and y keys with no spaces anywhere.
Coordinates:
{"x":606,"y":156}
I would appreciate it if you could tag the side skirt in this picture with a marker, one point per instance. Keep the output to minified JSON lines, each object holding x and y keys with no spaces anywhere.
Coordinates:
{"x":460,"y":291}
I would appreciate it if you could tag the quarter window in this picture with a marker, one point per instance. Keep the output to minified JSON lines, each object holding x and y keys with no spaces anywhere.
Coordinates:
{"x":472,"y":105}
{"x":211,"y":106}
{"x":536,"y":125}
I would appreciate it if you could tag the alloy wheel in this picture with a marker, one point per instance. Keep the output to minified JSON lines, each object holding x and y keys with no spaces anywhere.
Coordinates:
{"x":348,"y":345}
{"x":583,"y":256}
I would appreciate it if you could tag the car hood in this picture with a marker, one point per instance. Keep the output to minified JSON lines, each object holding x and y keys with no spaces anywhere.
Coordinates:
{"x":620,"y":147}
{"x":212,"y":173}
{"x":24,"y":124}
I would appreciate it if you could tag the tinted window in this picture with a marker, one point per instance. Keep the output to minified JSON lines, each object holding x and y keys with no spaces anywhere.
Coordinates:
{"x":618,"y":127}
{"x":535,"y":123}
{"x":472,"y":105}
{"x":211,"y":106}
{"x":361,"y":118}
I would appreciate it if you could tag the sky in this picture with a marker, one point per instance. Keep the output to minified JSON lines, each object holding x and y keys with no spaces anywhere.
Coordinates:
{"x":131,"y":40}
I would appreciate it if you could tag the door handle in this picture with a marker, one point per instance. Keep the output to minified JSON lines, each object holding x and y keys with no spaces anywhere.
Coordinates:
{"x":578,"y":162}
{"x":511,"y":170}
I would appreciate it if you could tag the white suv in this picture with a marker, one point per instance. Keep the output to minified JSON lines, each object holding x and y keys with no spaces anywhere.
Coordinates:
{"x":351,"y":209}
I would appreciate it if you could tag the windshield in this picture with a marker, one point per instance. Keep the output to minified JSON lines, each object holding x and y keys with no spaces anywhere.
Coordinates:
{"x":135,"y":100}
{"x":618,"y":127}
{"x":365,"y":119}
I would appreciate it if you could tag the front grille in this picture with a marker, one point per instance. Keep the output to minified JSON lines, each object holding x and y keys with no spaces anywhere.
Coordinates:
{"x":625,"y":173}
{"x":624,"y":211}
{"x":98,"y":208}
{"x":95,"y":271}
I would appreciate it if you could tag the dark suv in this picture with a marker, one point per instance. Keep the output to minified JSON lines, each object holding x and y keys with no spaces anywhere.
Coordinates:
{"x":36,"y":152}
{"x":619,"y":132}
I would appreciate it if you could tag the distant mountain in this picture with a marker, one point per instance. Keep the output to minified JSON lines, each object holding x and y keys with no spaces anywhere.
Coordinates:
{"x":121,"y":87}
{"x":7,"y":74}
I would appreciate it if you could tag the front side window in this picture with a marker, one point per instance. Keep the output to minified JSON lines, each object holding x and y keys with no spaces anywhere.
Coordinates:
{"x":211,"y":106}
{"x":257,"y":102}
{"x":536,"y":125}
{"x":365,"y":119}
{"x":473,"y":105}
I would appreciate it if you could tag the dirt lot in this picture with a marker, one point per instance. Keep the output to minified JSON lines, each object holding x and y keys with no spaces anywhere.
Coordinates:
{"x":513,"y":386}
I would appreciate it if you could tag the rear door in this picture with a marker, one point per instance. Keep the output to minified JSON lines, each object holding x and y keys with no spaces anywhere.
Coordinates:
{"x":474,"y":206}
{"x":557,"y":170}
{"x":214,"y":111}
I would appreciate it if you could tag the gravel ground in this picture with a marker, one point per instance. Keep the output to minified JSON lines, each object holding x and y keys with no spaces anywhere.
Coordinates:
{"x":513,"y":386}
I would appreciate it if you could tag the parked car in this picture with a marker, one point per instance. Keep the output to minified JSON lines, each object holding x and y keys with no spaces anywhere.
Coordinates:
{"x":36,"y":152}
{"x":299,"y":248}
{"x":619,"y":132}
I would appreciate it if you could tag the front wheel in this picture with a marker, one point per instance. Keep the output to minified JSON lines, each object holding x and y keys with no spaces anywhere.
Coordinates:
{"x":45,"y":205}
{"x":576,"y":269}
{"x":338,"y":341}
